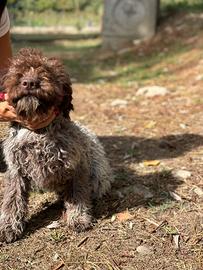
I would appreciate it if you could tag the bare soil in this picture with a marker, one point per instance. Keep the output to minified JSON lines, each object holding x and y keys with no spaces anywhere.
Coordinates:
{"x":149,"y":142}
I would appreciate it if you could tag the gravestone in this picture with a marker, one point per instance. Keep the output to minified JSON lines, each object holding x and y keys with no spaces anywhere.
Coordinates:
{"x":127,"y":20}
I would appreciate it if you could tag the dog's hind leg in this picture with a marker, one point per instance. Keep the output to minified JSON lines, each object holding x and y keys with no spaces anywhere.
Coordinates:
{"x":14,"y":207}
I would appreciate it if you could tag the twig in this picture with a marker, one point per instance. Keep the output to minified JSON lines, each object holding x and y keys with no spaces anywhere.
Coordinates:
{"x":83,"y":241}
{"x":156,"y":224}
{"x":59,"y":266}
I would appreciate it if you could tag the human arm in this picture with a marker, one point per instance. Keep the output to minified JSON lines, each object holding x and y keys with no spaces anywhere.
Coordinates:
{"x":6,"y":52}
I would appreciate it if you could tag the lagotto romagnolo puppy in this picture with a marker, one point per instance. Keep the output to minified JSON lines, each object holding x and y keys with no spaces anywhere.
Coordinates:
{"x":64,"y":157}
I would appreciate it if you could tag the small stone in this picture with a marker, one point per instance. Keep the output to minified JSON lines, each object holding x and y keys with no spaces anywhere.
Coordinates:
{"x":183,"y":126}
{"x":199,"y":77}
{"x":152,"y":91}
{"x":176,"y":239}
{"x":131,"y":225}
{"x":144,"y":250}
{"x":113,"y":218}
{"x":55,"y":257}
{"x":182,"y":174}
{"x":198,"y":191}
{"x":119,"y":103}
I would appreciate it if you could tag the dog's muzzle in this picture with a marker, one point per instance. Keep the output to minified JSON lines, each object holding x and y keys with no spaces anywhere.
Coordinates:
{"x":27,"y":107}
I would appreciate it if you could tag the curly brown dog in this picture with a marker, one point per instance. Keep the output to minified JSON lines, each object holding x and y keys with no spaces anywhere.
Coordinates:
{"x":64,"y":157}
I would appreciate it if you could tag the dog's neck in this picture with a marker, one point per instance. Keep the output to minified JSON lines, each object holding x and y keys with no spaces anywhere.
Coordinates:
{"x":58,"y":120}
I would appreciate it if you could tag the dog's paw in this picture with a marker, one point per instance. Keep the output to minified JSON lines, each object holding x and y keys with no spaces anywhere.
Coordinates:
{"x":8,"y":234}
{"x":79,"y":223}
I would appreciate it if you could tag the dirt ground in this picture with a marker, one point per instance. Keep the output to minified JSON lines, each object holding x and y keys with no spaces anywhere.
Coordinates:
{"x":153,"y":218}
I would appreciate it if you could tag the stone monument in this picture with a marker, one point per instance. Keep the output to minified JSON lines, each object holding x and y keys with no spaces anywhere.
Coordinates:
{"x":127,"y":20}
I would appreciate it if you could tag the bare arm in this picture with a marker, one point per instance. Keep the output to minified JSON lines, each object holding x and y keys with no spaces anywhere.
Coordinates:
{"x":6,"y":112}
{"x":6,"y":52}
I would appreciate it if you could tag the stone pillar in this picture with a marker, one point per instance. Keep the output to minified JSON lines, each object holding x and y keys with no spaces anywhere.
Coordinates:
{"x":127,"y":20}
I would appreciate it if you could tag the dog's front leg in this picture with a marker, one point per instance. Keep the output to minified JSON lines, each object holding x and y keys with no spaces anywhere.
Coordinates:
{"x":14,"y":207}
{"x":78,"y":204}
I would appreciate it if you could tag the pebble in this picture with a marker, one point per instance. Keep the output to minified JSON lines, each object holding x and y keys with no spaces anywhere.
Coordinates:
{"x":55,"y":257}
{"x":152,"y":91}
{"x":144,"y":250}
{"x":198,"y":191}
{"x":183,"y":174}
{"x":119,"y":103}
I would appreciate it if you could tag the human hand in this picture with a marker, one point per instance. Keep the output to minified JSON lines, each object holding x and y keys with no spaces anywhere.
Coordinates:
{"x":7,"y":112}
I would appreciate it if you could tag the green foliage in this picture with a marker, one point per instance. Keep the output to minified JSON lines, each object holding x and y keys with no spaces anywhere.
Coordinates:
{"x":77,"y":13}
{"x":181,"y":5}
{"x":58,"y":5}
{"x":55,"y":12}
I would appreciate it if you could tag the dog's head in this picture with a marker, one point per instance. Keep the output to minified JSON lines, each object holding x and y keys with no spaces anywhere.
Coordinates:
{"x":35,"y":83}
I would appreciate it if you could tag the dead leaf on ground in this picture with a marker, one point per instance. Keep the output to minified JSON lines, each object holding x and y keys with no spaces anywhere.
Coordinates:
{"x":124,"y":216}
{"x":53,"y":225}
{"x":175,"y":196}
{"x":176,"y":239}
{"x":148,"y":163}
{"x":150,"y":124}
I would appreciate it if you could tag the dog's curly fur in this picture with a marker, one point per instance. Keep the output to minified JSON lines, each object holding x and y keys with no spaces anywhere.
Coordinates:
{"x":64,"y":157}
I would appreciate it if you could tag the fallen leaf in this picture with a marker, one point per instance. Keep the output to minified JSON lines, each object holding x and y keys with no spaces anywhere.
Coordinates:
{"x":124,"y":216}
{"x":148,"y":163}
{"x":131,"y":225}
{"x":175,"y":196}
{"x":53,"y":225}
{"x":151,"y":124}
{"x":113,"y":218}
{"x":176,"y":239}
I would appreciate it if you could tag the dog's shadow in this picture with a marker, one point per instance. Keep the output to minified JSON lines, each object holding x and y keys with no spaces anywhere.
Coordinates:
{"x":133,"y":190}
{"x":130,"y":189}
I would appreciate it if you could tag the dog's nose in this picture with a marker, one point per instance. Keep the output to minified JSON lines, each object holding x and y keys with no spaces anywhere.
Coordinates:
{"x":29,"y":83}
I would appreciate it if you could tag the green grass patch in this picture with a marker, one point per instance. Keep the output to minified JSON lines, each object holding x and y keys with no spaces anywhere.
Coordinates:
{"x":82,"y":60}
{"x":182,"y":5}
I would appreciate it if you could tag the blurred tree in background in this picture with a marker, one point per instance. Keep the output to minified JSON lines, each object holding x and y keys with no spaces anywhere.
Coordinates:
{"x":77,"y":13}
{"x":52,"y":12}
{"x":41,"y":5}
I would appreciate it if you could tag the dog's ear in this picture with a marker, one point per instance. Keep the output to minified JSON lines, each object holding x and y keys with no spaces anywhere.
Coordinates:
{"x":63,"y":79}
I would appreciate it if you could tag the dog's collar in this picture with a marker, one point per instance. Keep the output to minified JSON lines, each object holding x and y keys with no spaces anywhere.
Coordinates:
{"x":2,"y":96}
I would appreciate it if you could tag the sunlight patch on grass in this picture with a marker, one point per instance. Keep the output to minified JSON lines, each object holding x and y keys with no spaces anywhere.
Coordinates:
{"x":83,"y":61}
